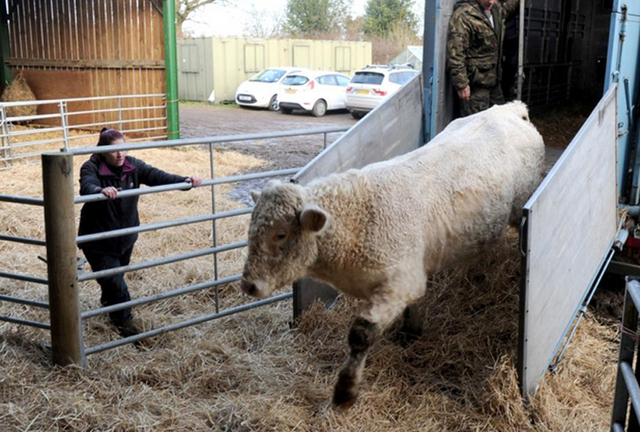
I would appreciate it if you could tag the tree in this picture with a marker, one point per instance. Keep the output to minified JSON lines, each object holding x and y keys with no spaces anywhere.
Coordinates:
{"x":381,"y":16}
{"x":311,"y":17}
{"x":184,"y":8}
{"x":262,"y":23}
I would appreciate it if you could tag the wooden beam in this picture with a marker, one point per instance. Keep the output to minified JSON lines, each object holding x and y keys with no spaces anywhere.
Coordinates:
{"x":86,"y":64}
{"x":155,"y":5}
{"x":5,"y":52}
{"x":62,"y":267}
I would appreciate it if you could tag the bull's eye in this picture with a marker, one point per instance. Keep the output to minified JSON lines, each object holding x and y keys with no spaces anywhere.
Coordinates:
{"x":278,"y":238}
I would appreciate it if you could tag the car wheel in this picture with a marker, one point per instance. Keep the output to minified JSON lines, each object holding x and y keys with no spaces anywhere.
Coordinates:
{"x":357,"y":115}
{"x":319,"y":109}
{"x":286,"y":110}
{"x":273,"y":104}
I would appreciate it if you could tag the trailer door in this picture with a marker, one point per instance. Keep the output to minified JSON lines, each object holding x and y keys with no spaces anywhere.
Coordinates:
{"x":623,"y":68}
{"x":569,"y":226}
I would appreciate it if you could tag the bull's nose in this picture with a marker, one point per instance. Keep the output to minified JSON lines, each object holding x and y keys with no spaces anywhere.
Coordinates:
{"x":248,"y":287}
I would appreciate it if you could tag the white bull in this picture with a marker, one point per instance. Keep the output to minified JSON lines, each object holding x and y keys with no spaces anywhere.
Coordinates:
{"x":379,"y":232}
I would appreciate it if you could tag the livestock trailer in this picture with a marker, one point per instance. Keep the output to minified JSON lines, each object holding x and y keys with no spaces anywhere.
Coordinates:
{"x":586,"y":208}
{"x":568,"y":50}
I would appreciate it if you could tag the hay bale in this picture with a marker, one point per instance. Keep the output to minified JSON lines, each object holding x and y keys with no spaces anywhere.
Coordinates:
{"x":18,"y":90}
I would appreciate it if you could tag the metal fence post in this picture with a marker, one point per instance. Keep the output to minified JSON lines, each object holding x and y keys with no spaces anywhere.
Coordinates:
{"x":119,"y":101}
{"x":59,"y":219}
{"x":7,"y":154}
{"x":65,"y":123}
{"x":3,"y":129}
{"x":214,"y":231}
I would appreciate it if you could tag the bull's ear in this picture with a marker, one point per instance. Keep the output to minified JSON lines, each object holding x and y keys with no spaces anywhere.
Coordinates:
{"x":314,"y":219}
{"x":255,"y":196}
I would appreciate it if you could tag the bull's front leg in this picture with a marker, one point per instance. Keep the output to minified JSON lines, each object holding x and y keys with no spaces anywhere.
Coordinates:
{"x":366,"y":328}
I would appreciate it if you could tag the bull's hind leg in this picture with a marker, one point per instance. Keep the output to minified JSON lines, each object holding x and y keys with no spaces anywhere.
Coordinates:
{"x":382,"y":310}
{"x":411,"y":324}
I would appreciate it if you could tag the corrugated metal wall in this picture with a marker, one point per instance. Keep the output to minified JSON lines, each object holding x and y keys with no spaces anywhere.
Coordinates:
{"x":84,"y":48}
{"x":224,"y":63}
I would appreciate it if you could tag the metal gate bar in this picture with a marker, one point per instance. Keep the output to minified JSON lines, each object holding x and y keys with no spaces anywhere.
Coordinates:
{"x":24,"y":301}
{"x":165,"y":295}
{"x":627,"y":387}
{"x":25,"y":240}
{"x":28,"y":323}
{"x":160,"y":261}
{"x":183,"y":324}
{"x":160,"y":225}
{"x":23,"y":277}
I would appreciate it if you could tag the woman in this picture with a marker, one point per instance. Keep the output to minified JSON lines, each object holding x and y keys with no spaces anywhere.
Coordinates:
{"x":109,"y":173}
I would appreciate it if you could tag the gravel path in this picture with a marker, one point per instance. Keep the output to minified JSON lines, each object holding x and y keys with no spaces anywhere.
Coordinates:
{"x":199,"y":120}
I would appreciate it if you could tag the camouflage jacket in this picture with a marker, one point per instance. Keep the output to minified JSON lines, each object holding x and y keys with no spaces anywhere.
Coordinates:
{"x":474,"y":48}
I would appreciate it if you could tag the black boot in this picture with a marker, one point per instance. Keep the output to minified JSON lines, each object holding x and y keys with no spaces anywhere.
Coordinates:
{"x":127,"y":328}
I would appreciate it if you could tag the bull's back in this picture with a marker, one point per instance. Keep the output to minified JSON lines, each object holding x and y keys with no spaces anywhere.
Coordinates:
{"x":460,"y":191}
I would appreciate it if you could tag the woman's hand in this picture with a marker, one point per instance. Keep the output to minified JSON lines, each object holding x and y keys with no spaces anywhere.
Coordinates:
{"x":194,"y":180}
{"x":110,"y":192}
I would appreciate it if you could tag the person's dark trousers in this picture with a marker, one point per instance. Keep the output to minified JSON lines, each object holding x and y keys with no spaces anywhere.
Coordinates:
{"x":481,"y":99}
{"x":114,"y":288}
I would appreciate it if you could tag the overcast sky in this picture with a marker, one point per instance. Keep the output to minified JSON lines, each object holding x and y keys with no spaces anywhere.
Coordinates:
{"x":232,"y":17}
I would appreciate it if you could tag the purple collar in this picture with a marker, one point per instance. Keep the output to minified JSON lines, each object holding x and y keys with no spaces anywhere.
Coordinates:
{"x":105,"y":171}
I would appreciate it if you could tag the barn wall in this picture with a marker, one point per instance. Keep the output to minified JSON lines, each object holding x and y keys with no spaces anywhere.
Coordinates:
{"x":85,"y":48}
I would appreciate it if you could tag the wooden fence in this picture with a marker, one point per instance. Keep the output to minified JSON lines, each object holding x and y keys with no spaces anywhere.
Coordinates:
{"x":85,"y":48}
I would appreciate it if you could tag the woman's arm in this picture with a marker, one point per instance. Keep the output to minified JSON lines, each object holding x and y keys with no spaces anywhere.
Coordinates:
{"x":89,"y":181}
{"x":153,"y":176}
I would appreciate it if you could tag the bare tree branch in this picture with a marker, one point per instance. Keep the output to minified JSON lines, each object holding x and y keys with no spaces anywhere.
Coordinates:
{"x":184,"y":8}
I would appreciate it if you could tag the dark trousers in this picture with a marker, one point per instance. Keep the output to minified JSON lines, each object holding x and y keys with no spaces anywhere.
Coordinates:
{"x":114,"y":288}
{"x":481,"y":99}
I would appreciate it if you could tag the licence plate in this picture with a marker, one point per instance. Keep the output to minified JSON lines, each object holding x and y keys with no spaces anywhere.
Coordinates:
{"x":290,"y":91}
{"x":244,"y":98}
{"x":362,"y":91}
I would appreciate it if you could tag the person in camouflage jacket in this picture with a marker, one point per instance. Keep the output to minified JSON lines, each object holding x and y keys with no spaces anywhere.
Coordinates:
{"x":474,"y":52}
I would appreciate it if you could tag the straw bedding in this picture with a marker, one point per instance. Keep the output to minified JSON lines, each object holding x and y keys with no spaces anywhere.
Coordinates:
{"x":17,"y":91}
{"x":252,"y":372}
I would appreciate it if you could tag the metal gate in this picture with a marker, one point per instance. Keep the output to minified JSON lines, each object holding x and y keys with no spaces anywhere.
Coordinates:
{"x":627,"y":381}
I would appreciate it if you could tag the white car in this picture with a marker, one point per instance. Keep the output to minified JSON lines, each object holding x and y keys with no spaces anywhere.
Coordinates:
{"x":261,"y":89}
{"x":373,"y":84}
{"x":314,"y":91}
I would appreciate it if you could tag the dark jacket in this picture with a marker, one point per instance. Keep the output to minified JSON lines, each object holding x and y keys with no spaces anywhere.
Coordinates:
{"x":474,"y":48}
{"x":109,"y":214}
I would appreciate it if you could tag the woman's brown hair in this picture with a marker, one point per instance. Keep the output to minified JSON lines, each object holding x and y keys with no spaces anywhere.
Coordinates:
{"x":108,"y":136}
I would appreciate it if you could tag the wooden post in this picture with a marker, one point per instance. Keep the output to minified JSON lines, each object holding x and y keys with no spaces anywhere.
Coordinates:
{"x":59,"y":219}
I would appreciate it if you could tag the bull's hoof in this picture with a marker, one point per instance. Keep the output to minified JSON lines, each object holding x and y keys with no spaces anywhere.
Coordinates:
{"x":343,"y":407}
{"x":343,"y":402}
{"x":345,"y":393}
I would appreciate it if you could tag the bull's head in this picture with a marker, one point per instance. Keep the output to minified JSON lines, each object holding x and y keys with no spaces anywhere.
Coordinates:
{"x":282,"y":238}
